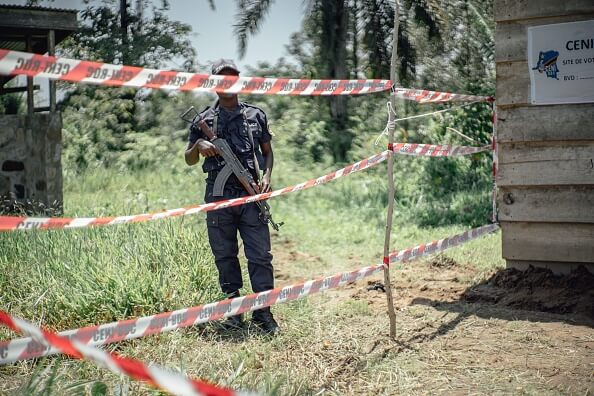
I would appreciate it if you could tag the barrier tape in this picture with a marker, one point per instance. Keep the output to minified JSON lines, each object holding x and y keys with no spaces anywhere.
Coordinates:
{"x":27,"y":348}
{"x":424,"y":96}
{"x":442,"y":244}
{"x":170,"y":381}
{"x":430,"y":114}
{"x":14,"y":223}
{"x":434,"y":150}
{"x":35,"y":65}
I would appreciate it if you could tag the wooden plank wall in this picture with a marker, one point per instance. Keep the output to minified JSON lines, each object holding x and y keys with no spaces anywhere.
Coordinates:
{"x":546,"y":153}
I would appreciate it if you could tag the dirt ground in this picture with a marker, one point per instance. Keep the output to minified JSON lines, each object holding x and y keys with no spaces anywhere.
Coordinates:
{"x":459,"y":333}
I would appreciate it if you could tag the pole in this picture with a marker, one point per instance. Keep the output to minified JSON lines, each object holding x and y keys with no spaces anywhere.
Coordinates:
{"x":124,"y":31}
{"x":51,"y":46}
{"x":391,"y":187}
{"x":495,"y":162}
{"x":30,"y":88}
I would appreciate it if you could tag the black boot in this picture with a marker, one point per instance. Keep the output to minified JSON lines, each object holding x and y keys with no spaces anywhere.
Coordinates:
{"x":234,"y":322}
{"x":265,"y":321}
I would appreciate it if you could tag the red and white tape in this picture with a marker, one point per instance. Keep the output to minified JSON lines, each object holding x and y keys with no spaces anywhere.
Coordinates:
{"x":34,"y":65}
{"x":424,"y":96}
{"x":14,"y":223}
{"x":442,"y":244}
{"x":435,"y":150}
{"x":168,"y":380}
{"x":27,"y":348}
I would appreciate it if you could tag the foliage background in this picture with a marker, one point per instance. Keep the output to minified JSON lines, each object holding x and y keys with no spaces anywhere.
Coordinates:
{"x":442,"y":45}
{"x":136,"y":136}
{"x":123,"y":154}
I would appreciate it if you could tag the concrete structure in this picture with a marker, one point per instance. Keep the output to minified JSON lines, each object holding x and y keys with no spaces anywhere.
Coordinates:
{"x":546,"y":177}
{"x":30,"y":148}
{"x":30,"y":144}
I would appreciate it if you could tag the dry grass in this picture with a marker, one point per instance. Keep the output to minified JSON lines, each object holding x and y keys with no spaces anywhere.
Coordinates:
{"x":337,"y":343}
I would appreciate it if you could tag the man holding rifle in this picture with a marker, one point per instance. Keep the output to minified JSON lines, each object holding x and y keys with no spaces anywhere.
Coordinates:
{"x":234,"y":140}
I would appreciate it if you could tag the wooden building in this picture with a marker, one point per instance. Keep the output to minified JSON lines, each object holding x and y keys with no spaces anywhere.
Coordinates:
{"x":546,"y":152}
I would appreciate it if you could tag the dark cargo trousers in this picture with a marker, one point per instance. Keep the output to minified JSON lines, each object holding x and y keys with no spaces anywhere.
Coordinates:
{"x":222,"y":226}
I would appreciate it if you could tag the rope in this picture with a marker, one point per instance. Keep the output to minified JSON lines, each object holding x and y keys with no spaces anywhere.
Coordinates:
{"x":392,"y":124}
{"x":464,"y":136}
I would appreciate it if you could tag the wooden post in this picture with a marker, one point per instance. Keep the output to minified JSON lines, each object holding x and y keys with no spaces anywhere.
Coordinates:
{"x":51,"y":45}
{"x":30,"y":88}
{"x":124,"y":31}
{"x":391,"y":188}
{"x":494,"y":219}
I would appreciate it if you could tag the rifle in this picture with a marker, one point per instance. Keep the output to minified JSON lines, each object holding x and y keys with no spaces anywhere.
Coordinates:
{"x":232,"y":166}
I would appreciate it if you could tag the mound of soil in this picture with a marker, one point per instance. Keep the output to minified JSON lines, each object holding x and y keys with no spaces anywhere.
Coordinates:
{"x":538,"y":289}
{"x":442,"y":261}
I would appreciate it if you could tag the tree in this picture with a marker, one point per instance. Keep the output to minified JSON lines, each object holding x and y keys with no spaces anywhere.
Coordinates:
{"x":102,"y":123}
{"x":347,"y":34}
{"x":115,"y":32}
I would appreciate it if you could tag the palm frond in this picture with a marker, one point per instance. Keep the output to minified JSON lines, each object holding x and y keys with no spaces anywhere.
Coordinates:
{"x":431,"y":13}
{"x":250,"y":15}
{"x":377,"y":18}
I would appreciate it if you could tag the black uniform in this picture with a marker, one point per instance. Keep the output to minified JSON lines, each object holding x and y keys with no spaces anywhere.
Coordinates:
{"x":223,"y":224}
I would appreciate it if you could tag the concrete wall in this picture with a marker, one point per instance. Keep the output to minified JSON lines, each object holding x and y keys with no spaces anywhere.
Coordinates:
{"x":30,"y":158}
{"x":546,"y":176}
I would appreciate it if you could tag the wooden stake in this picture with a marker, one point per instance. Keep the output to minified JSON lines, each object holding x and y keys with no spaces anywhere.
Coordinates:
{"x":30,"y":92}
{"x":495,"y":143}
{"x":51,"y":46}
{"x":391,"y":188}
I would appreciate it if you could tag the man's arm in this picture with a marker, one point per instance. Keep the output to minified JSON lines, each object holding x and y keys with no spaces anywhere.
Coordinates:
{"x":201,"y":146}
{"x":266,"y":148}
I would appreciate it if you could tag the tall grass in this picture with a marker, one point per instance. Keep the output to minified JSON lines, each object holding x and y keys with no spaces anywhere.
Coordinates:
{"x":74,"y":278}
{"x":85,"y":276}
{"x":71,"y":278}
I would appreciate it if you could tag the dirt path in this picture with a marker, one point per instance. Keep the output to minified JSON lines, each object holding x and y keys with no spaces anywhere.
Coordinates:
{"x":457,"y":332}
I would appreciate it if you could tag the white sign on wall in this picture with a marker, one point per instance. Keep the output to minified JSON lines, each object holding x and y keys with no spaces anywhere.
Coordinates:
{"x":561,"y":62}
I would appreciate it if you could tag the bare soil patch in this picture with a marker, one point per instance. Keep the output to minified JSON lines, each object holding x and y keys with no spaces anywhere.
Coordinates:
{"x":459,"y":331}
{"x":337,"y":343}
{"x":538,"y":289}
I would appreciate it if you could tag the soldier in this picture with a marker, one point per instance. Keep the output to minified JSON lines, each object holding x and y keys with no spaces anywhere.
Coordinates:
{"x":230,"y":119}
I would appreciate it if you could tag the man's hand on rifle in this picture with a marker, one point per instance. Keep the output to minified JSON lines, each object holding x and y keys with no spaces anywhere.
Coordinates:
{"x":265,"y":183}
{"x":206,"y":148}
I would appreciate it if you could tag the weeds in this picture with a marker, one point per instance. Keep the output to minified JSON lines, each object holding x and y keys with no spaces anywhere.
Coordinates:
{"x":333,"y":343}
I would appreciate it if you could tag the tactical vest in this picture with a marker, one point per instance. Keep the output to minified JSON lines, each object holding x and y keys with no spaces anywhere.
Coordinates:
{"x":235,"y":132}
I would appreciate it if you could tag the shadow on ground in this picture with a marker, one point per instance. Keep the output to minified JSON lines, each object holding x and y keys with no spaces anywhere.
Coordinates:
{"x":535,"y":295}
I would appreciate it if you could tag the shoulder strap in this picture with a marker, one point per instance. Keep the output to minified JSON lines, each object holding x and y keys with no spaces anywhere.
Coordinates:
{"x":215,"y":119}
{"x":246,"y":125}
{"x":215,"y":123}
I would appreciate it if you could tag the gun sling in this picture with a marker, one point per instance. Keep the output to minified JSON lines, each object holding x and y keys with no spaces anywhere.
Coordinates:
{"x":227,"y":170}
{"x":234,"y":166}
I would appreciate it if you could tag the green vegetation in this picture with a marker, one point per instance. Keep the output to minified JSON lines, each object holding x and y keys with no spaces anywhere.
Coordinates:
{"x":123,"y":155}
{"x":80,"y":277}
{"x":73,"y":278}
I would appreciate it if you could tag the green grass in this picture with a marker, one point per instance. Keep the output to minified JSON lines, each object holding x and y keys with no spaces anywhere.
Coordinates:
{"x":86,"y":276}
{"x":72,"y":278}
